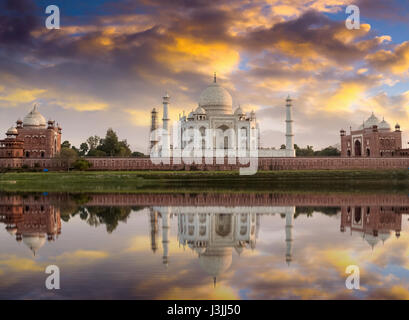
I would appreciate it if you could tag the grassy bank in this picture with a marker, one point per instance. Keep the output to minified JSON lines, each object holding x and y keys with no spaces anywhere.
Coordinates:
{"x":195,"y":181}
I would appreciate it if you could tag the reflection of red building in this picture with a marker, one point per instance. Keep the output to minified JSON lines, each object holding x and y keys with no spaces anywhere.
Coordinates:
{"x":373,"y":223}
{"x":373,"y":138}
{"x":30,"y":220}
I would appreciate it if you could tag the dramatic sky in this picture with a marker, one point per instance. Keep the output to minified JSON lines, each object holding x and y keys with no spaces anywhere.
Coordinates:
{"x":112,"y":61}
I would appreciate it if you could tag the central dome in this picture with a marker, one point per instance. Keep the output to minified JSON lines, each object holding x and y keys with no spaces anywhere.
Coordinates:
{"x":216,"y":100}
{"x":34,"y":119}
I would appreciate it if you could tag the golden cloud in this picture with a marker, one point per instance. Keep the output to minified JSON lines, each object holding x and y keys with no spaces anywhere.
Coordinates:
{"x":187,"y":54}
{"x":396,"y":62}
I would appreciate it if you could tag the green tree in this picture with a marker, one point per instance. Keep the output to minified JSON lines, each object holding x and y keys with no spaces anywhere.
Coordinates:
{"x":138,"y":154}
{"x":93,"y":142}
{"x":81,"y":164}
{"x":112,"y":146}
{"x":96,"y":153}
{"x":66,"y":144}
{"x":328,"y":152}
{"x":304,"y":152}
{"x":83,"y":149}
{"x":282,"y":147}
{"x":68,"y":157}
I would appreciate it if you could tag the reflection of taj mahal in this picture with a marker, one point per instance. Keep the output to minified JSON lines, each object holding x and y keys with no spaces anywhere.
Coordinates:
{"x":213,"y":233}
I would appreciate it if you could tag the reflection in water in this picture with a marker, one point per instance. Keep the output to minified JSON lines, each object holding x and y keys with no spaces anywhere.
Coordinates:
{"x":215,"y":228}
{"x":374,"y":224}
{"x":213,"y":235}
{"x":31,"y":222}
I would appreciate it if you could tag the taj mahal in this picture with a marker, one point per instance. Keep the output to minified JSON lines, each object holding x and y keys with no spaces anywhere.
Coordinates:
{"x":215,"y":128}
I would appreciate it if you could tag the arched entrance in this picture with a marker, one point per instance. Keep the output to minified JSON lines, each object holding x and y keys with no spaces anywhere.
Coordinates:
{"x":358,"y":148}
{"x":223,"y":224}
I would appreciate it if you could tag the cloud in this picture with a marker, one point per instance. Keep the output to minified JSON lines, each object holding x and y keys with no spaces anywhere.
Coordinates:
{"x":395,"y":61}
{"x":118,"y":65}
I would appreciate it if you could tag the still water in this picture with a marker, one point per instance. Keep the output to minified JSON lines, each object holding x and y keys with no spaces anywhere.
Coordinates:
{"x":204,"y":246}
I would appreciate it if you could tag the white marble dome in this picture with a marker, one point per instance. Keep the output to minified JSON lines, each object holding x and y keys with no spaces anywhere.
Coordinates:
{"x":216,"y":261}
{"x":371,"y":121}
{"x":34,"y":119}
{"x":215,"y":99}
{"x":384,"y":125}
{"x":34,"y":241}
{"x":200,"y":110}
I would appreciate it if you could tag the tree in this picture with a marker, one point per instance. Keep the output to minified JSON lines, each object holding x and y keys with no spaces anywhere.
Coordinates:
{"x":66,"y":144}
{"x":282,"y":147}
{"x":138,"y":154}
{"x":96,"y":153}
{"x":304,"y":152}
{"x":93,"y":142}
{"x":68,"y":157}
{"x":328,"y":152}
{"x":81,"y":164}
{"x":112,"y":146}
{"x":83,"y":149}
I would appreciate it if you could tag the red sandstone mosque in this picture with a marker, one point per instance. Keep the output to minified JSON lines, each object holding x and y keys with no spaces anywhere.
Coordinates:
{"x":32,"y":138}
{"x":374,"y":138}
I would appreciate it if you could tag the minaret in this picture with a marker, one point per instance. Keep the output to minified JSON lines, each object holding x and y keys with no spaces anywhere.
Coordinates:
{"x":288,"y":236}
{"x":165,"y":235}
{"x":154,"y":229}
{"x":289,"y":136}
{"x":154,"y":127}
{"x":165,"y":121}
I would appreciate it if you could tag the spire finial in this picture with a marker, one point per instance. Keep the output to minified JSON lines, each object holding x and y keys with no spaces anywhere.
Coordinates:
{"x":214,"y":282}
{"x":214,"y":77}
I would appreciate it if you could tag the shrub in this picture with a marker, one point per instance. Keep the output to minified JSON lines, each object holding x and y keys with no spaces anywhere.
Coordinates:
{"x":81,"y":165}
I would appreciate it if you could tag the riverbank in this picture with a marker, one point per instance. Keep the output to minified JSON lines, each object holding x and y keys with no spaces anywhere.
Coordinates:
{"x":200,"y":181}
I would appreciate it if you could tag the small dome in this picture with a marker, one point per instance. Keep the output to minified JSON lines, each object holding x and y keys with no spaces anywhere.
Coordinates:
{"x":372,"y":241}
{"x":384,"y":125}
{"x":200,"y":110}
{"x":200,"y":250}
{"x":239,"y":111}
{"x":11,"y":230}
{"x":34,"y":119}
{"x":34,"y":241}
{"x":216,"y":99}
{"x":385,"y":235}
{"x":12,"y":131}
{"x":370,"y":122}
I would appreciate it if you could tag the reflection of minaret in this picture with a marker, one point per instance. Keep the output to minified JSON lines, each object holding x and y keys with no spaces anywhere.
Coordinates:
{"x":165,"y":235}
{"x":154,"y":229}
{"x":288,"y":236}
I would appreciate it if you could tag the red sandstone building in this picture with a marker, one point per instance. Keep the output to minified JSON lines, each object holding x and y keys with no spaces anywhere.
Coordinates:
{"x":374,"y":138}
{"x":33,"y":138}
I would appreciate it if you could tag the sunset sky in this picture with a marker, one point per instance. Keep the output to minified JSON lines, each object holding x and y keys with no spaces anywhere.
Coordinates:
{"x":112,"y":61}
